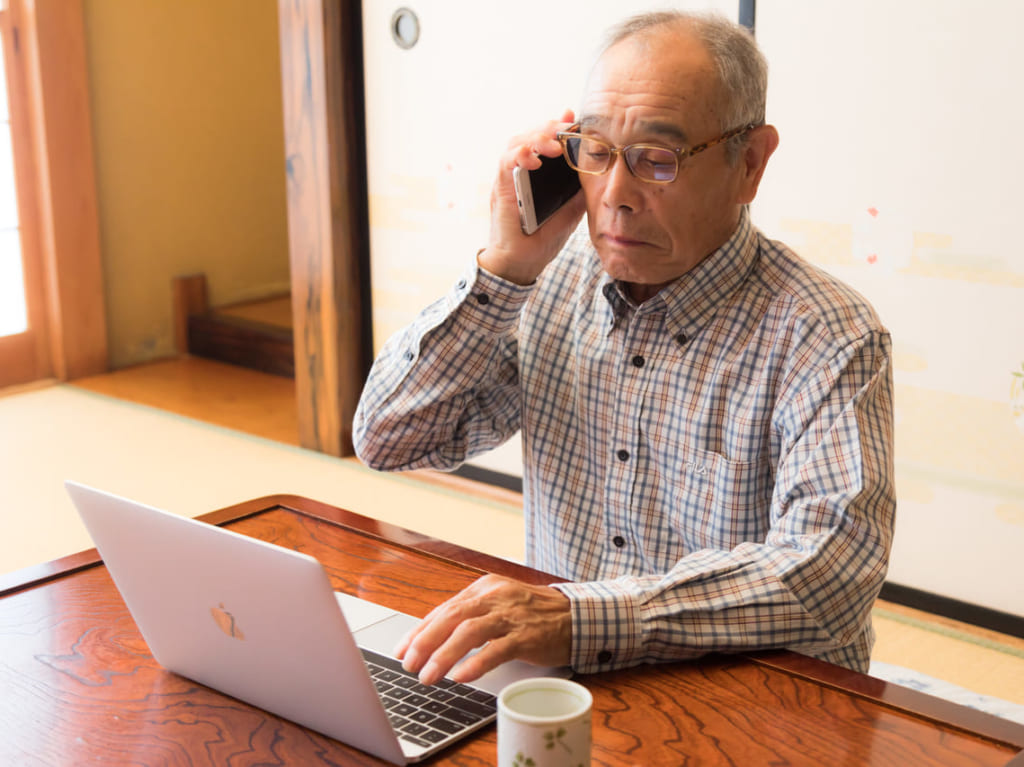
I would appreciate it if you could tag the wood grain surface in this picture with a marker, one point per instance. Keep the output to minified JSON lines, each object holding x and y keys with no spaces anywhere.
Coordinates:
{"x":80,"y":686}
{"x":328,"y":235}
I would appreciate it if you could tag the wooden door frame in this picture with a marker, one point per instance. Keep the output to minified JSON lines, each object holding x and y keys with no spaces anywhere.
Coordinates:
{"x":24,"y":357}
{"x":328,"y":233}
{"x":59,"y":217}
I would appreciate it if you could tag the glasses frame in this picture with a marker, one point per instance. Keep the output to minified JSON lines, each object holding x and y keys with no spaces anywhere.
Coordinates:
{"x":681,"y":153}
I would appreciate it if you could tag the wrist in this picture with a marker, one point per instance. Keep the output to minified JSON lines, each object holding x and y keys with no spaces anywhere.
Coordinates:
{"x":507,"y":267}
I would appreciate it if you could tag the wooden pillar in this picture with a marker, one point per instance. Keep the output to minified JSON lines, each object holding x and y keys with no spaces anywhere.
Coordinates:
{"x":321,"y":67}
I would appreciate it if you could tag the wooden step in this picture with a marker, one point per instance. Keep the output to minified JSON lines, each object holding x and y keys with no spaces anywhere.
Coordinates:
{"x":255,"y":334}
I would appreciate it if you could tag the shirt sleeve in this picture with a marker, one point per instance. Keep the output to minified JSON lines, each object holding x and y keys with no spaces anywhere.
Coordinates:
{"x":810,"y":585}
{"x":446,"y":387}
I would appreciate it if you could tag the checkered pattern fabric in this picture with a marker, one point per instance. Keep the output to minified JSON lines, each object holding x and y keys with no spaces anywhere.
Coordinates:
{"x":712,"y":470}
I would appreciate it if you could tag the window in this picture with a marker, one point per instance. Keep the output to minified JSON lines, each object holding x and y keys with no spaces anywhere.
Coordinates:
{"x":51,"y":280}
{"x":13,"y":310}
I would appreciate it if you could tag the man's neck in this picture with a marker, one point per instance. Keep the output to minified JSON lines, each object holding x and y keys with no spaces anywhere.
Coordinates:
{"x":639,"y":292}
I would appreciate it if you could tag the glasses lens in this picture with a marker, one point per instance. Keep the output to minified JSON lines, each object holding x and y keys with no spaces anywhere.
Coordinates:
{"x":587,"y":155}
{"x":652,"y":163}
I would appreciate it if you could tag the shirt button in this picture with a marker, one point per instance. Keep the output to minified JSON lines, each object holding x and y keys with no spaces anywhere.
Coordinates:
{"x":408,"y":356}
{"x":619,"y":541}
{"x":604,"y":657}
{"x":681,"y":338}
{"x":483,"y":299}
{"x":460,"y":284}
{"x":623,"y":455}
{"x":638,"y":361}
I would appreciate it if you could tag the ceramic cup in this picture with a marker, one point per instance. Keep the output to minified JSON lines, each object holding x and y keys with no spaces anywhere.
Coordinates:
{"x":544,"y":722}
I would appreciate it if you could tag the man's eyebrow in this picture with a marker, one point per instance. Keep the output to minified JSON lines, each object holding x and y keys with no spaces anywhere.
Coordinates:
{"x":669,"y":131}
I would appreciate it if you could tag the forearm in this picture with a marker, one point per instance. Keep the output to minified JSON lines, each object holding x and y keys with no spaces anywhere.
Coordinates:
{"x":713,"y":602}
{"x":444,"y":388}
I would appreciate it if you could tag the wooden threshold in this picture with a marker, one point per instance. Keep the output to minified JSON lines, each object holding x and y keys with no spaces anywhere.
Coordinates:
{"x":255,"y":334}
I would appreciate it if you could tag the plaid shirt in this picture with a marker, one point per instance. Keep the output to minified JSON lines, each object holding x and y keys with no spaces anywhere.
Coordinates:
{"x":712,"y":470}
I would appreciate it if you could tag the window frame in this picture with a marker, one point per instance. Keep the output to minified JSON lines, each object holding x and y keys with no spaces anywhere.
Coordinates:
{"x":48,"y":87}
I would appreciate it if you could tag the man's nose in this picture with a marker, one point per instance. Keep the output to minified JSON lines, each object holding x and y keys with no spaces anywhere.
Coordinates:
{"x":621,"y":188}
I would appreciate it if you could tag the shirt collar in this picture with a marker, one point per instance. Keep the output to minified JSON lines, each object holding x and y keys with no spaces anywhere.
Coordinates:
{"x":691,"y":301}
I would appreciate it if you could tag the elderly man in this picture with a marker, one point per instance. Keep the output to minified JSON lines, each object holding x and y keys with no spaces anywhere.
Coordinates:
{"x":706,"y":418}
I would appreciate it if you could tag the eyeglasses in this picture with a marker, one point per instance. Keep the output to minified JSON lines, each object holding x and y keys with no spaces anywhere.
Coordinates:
{"x":648,"y":162}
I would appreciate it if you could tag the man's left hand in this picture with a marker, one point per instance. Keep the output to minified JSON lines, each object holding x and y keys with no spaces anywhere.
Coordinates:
{"x":505,"y":618}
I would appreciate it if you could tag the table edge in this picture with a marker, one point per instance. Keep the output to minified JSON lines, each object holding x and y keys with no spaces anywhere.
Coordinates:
{"x":36,"y":575}
{"x":898,"y":698}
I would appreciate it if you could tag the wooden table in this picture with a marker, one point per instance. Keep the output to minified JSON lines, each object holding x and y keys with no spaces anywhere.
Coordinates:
{"x":79,"y":685}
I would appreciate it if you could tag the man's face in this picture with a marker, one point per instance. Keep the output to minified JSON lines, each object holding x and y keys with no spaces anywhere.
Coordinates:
{"x":659,"y":90}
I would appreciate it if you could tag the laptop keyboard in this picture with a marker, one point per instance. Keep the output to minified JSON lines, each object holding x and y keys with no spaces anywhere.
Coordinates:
{"x":426,"y":715}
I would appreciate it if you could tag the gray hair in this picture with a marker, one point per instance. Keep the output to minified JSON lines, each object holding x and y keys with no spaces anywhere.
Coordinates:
{"x":741,"y":67}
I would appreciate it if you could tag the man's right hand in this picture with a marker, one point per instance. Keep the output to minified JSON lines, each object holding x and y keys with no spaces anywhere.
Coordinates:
{"x":510,"y":254}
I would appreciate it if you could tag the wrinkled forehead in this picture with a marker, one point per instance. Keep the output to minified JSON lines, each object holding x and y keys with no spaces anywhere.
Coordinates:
{"x":666,"y":83}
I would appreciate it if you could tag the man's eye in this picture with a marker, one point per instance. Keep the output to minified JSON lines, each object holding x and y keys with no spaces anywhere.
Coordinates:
{"x":656,"y":164}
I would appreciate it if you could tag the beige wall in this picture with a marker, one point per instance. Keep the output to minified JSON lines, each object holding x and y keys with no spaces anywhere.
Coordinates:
{"x":186,"y":111}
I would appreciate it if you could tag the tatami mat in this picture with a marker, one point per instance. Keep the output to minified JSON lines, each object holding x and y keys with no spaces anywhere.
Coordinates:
{"x":190,"y":467}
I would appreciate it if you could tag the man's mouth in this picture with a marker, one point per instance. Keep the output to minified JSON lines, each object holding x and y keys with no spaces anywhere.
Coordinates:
{"x":623,"y":240}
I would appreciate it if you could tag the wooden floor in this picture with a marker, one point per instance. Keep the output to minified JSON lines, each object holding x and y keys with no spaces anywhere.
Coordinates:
{"x":214,"y":392}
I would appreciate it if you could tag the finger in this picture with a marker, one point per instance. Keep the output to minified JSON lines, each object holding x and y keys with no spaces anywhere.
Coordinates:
{"x":424,"y":640}
{"x":540,"y":143}
{"x":403,"y":644}
{"x":475,"y":634}
{"x":546,"y":131}
{"x":452,"y":629}
{"x":416,"y":647}
{"x":405,"y":641}
{"x":488,"y":658}
{"x":523,"y":156}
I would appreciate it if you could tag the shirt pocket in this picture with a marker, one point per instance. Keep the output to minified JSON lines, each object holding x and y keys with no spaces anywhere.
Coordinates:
{"x":717,"y":503}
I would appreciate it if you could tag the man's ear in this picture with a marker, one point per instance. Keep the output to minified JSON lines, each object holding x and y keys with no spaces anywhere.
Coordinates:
{"x":761,"y":142}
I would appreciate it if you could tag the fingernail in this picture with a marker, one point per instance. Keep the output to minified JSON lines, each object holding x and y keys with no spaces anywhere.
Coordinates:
{"x":409,"y":661}
{"x":428,"y":674}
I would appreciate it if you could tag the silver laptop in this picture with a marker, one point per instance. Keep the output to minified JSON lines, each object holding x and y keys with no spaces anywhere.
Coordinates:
{"x":261,"y":623}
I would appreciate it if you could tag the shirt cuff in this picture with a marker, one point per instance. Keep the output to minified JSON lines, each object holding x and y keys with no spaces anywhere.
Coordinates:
{"x":484,"y":301}
{"x":606,"y":628}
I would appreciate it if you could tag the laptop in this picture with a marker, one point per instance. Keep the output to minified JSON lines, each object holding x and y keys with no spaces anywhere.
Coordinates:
{"x":261,"y":623}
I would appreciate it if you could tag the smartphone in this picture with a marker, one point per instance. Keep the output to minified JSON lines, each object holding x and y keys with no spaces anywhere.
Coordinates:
{"x":543,"y":191}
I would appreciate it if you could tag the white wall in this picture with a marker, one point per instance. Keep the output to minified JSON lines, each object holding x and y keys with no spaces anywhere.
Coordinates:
{"x":898,"y":170}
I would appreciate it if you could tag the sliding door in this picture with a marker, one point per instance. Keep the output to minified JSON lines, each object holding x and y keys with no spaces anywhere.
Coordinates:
{"x":447,"y":87}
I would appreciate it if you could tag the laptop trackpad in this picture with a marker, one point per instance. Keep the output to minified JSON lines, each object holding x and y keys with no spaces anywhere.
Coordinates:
{"x":359,"y":613}
{"x":382,"y":635}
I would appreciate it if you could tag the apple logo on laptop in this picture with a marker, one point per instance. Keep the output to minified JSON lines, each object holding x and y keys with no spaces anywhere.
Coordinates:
{"x":226,"y":622}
